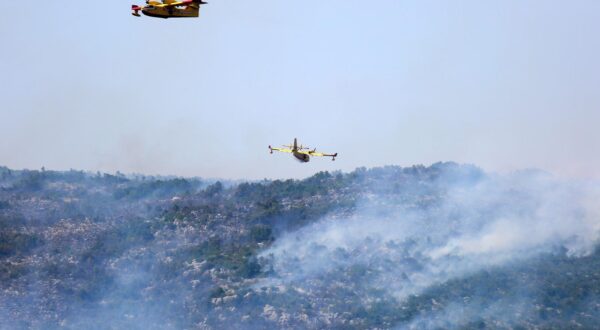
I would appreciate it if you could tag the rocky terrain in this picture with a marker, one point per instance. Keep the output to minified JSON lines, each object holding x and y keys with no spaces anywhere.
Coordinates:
{"x":444,"y":246}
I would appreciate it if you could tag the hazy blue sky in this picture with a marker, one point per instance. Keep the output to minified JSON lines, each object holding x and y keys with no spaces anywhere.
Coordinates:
{"x":502,"y":84}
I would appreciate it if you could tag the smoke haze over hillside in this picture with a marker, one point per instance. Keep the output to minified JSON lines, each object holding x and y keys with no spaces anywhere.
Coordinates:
{"x":420,"y":247}
{"x":474,"y":226}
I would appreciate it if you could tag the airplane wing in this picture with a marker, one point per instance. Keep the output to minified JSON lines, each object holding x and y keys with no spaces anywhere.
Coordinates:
{"x":319,"y":154}
{"x":316,"y":154}
{"x":181,"y":3}
{"x":280,"y":149}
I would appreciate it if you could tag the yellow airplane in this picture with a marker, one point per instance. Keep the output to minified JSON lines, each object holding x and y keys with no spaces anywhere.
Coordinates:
{"x":302,"y":153}
{"x":169,"y":8}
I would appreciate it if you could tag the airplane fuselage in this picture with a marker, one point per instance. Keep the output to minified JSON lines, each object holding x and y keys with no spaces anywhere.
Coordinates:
{"x":302,"y":157}
{"x":167,"y":12}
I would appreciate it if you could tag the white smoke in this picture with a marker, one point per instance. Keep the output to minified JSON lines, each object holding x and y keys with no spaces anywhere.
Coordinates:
{"x":472,"y":226}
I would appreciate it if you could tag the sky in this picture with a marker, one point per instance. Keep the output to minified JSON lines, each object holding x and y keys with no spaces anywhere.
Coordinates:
{"x":504,"y":85}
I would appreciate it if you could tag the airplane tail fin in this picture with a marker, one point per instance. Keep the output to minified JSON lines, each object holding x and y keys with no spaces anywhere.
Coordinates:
{"x":135,"y":9}
{"x":295,"y":143}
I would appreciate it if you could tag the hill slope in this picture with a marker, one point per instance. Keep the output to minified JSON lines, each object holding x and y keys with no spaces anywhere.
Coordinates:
{"x":445,"y":246}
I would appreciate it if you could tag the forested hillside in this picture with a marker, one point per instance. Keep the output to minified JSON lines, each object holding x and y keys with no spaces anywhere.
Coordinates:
{"x":444,"y":246}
